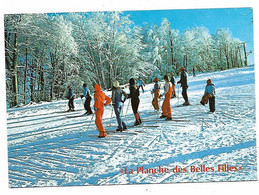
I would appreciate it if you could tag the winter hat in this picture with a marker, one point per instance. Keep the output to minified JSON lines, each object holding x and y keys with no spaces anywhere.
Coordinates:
{"x":156,"y":79}
{"x":132,"y":81}
{"x":97,"y":87}
{"x":209,"y":81}
{"x":116,"y":84}
{"x":182,"y":69}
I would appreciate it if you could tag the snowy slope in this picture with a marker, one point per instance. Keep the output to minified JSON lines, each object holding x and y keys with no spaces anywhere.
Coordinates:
{"x":47,"y":147}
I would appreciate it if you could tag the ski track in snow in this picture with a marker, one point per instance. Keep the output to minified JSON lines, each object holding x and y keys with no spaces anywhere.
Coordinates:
{"x":47,"y":148}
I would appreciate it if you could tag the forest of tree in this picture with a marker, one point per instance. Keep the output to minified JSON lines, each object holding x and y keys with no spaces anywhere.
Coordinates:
{"x":44,"y":53}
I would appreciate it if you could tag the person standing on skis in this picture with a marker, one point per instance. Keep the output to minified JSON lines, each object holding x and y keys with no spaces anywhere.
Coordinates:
{"x":88,"y":98}
{"x":193,"y":71}
{"x":173,"y":83}
{"x":134,"y":95}
{"x":70,"y":96}
{"x":140,"y":83}
{"x":184,"y":85}
{"x":166,"y":107}
{"x":156,"y":92}
{"x":209,"y":95}
{"x":117,"y":102}
{"x":100,"y":100}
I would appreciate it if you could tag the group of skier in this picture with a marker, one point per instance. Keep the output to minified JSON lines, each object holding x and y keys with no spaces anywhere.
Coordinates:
{"x":119,"y":96}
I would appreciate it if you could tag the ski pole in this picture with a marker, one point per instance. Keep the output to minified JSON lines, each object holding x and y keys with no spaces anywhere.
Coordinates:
{"x":127,"y":107}
{"x":89,"y":125}
{"x":91,"y":120}
{"x":83,"y":102}
{"x":178,"y":96}
{"x":111,"y":117}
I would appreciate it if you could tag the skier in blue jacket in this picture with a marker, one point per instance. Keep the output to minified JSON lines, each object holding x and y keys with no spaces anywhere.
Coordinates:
{"x":209,"y":95}
{"x":88,"y":98}
{"x":140,"y":83}
{"x":117,"y":102}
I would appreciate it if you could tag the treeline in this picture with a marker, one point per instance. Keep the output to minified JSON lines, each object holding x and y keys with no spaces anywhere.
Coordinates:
{"x":44,"y":53}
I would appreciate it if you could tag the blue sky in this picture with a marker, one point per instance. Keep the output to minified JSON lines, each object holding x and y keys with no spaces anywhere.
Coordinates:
{"x":235,"y":19}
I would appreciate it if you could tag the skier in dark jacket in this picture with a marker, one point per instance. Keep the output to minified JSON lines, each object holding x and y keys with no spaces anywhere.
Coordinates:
{"x":184,"y":85}
{"x":193,"y":72}
{"x":173,"y":83}
{"x":88,"y":98}
{"x":134,"y":95}
{"x":70,"y":96}
{"x":117,"y":102}
{"x":209,"y":95}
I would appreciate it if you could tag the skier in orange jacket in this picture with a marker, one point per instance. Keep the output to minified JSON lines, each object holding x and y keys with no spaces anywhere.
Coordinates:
{"x":100,"y":100}
{"x":166,"y":107}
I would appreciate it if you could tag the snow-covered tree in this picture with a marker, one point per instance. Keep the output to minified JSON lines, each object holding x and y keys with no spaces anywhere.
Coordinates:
{"x":45,"y":53}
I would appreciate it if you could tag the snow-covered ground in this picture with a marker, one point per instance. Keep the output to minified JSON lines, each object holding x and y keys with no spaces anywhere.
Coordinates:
{"x":47,"y":147}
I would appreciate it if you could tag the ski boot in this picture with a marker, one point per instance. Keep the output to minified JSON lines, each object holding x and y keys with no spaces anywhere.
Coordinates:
{"x":102,"y":134}
{"x":169,"y":119}
{"x":162,"y":116}
{"x":186,"y":104}
{"x":137,"y":122}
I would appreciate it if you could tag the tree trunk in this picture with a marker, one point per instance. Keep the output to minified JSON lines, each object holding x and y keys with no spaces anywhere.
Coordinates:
{"x":240,"y":58}
{"x":31,"y":81}
{"x":7,"y":42}
{"x":15,"y":75}
{"x":236,"y":57}
{"x":42,"y":84}
{"x":227,"y":57}
{"x":186,"y":63}
{"x":25,"y":73}
{"x":244,"y":45}
{"x":231,"y":57}
{"x":171,"y":47}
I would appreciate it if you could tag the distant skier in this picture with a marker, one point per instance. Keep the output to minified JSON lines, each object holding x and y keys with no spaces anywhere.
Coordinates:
{"x":209,"y":95}
{"x":173,"y":83}
{"x":193,"y":72}
{"x":117,"y":102}
{"x":100,"y":100}
{"x":134,"y":95}
{"x":156,"y":92}
{"x":166,"y":107}
{"x":140,"y":83}
{"x":88,"y":98}
{"x":184,"y":85}
{"x":70,"y":96}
